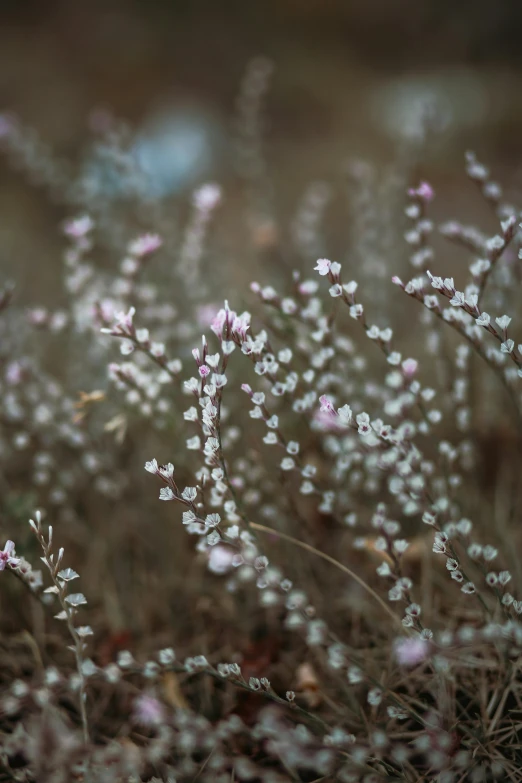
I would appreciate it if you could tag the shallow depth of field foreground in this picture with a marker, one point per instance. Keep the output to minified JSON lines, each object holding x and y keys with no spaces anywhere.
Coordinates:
{"x":261,"y":437}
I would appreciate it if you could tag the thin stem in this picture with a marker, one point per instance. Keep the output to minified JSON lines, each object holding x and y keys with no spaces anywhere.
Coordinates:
{"x":61,"y":592}
{"x":332,"y":561}
{"x":78,"y":654}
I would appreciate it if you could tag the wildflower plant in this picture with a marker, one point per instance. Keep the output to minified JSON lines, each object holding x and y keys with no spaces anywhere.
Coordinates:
{"x":339,"y":489}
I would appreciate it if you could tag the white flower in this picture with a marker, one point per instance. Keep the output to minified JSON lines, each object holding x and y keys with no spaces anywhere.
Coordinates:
{"x":145,"y":245}
{"x":384,"y":569}
{"x":166,"y":494}
{"x":211,"y":446}
{"x":152,"y":466}
{"x":350,"y":287}
{"x":323,"y":266}
{"x":436,"y":282}
{"x":68,"y":574}
{"x":227,"y":346}
{"x":288,"y":306}
{"x":285,"y":355}
{"x":363,"y":423}
{"x":503,"y":321}
{"x":431,"y":301}
{"x":400,"y":546}
{"x":192,"y":385}
{"x":84,"y":630}
{"x":507,"y":346}
{"x":458,"y":299}
{"x":76,"y":599}
{"x":507,"y":225}
{"x":213,"y":360}
{"x":219,"y":380}
{"x":480,"y":267}
{"x":374,"y":697}
{"x":495,"y":243}
{"x":166,"y":656}
{"x":212,"y":520}
{"x":157,"y":350}
{"x":167,"y":471}
{"x":307,"y":488}
{"x":483,"y":320}
{"x":213,"y":538}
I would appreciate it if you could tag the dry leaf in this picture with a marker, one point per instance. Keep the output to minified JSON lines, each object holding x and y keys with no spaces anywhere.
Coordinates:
{"x":172,"y":692}
{"x":307,"y":684}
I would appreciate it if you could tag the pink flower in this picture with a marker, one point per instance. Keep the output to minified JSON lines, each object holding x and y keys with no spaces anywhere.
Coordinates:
{"x":38,"y":316}
{"x":220,"y":559}
{"x":323,"y":266}
{"x":148,"y":710}
{"x":326,"y":405}
{"x":424,"y":192}
{"x":241,"y":324}
{"x":14,"y":373}
{"x":79,"y":227}
{"x":124,"y":320}
{"x":204,"y":371}
{"x":145,"y":245}
{"x":7,"y":556}
{"x":325,"y":422}
{"x":410,"y":651}
{"x":207,"y":197}
{"x":409,"y":367}
{"x":218,"y":322}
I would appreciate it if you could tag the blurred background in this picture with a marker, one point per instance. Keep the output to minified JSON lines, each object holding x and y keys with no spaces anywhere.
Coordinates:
{"x":353,"y":81}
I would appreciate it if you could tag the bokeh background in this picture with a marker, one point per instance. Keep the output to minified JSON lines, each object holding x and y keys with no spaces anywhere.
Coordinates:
{"x":350,"y":81}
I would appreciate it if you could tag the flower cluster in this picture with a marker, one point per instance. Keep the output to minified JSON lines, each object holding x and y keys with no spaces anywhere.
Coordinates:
{"x":349,"y":474}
